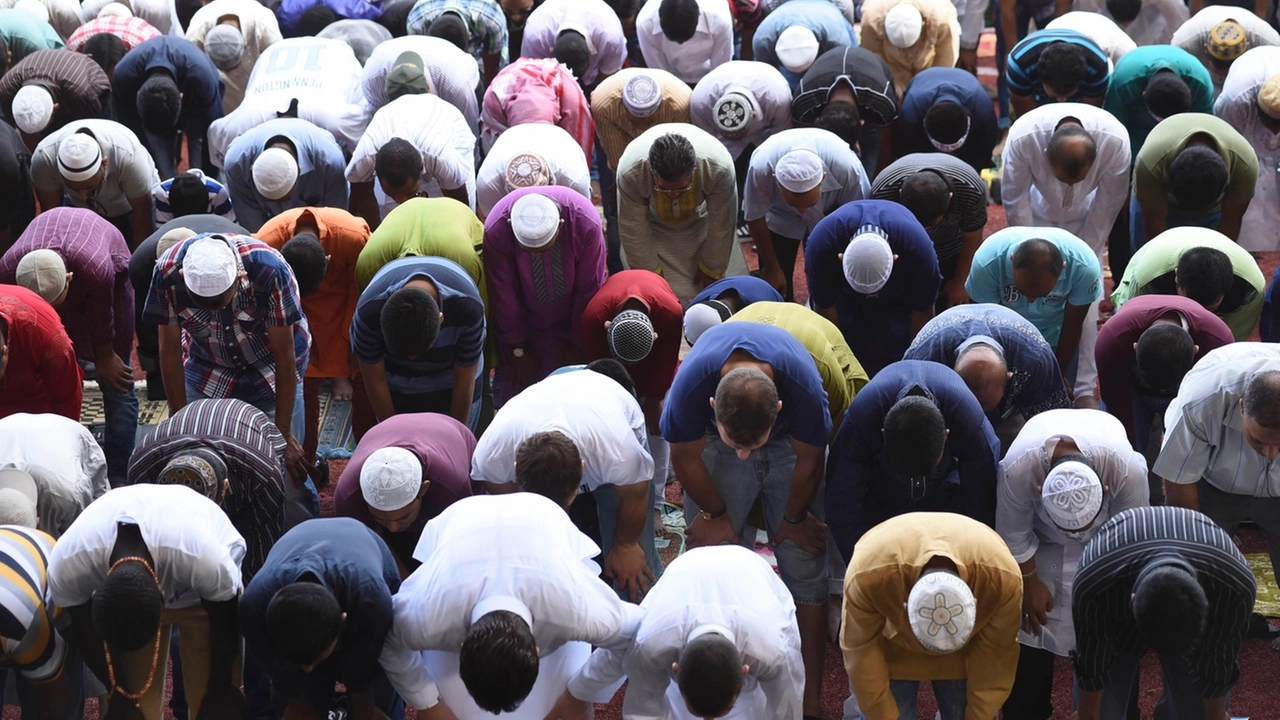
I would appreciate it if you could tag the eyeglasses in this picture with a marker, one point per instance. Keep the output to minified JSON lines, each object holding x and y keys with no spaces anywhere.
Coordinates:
{"x":672,"y":191}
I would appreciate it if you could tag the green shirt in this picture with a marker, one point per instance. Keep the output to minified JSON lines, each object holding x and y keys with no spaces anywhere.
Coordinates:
{"x":426,"y":227}
{"x":1151,"y":271}
{"x":1129,"y":80}
{"x":1170,"y":137}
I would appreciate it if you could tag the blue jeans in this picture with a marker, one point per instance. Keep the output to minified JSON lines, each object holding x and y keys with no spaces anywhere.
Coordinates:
{"x":1175,"y":218}
{"x":121,"y":431}
{"x":949,"y":693}
{"x":1178,"y":700}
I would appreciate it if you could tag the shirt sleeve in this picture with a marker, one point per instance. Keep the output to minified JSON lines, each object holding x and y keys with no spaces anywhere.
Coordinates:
{"x":822,"y":269}
{"x":991,"y":657}
{"x":1014,"y":514}
{"x":403,"y":664}
{"x":1015,"y":185}
{"x":366,"y":334}
{"x":588,"y":277}
{"x":757,"y":195}
{"x":983,"y":283}
{"x":471,"y":342}
{"x":864,"y":658}
{"x":633,"y":222}
{"x":1086,"y":283}
{"x":722,"y":204}
{"x":1188,"y":447}
{"x":598,"y":680}
{"x":1094,"y":651}
{"x":852,"y":471}
{"x":62,"y":376}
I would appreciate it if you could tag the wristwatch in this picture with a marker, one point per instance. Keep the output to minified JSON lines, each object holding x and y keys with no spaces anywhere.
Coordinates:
{"x":704,"y":515}
{"x":518,"y":352}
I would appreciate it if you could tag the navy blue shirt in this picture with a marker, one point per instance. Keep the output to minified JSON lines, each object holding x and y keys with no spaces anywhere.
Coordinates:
{"x":192,"y":70}
{"x":1023,"y":69}
{"x":350,"y":560}
{"x":876,"y":326}
{"x":1269,"y":325}
{"x":863,"y":492}
{"x":687,"y":415}
{"x":748,"y":288}
{"x":936,"y":85}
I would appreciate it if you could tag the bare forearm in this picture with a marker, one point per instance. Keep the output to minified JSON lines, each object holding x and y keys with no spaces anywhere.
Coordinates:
{"x":692,"y":473}
{"x":633,"y":510}
{"x":805,"y":478}
{"x":763,"y":239}
{"x":375,"y":385}
{"x":171,"y":372}
{"x":1185,"y":495}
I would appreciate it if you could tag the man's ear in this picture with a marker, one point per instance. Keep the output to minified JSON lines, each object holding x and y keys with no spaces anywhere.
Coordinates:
{"x":746,"y":670}
{"x":713,"y":402}
{"x":675,"y":668}
{"x":946,"y":434}
{"x":1195,"y":349}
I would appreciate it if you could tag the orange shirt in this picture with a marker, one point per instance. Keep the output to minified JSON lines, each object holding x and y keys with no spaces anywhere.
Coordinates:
{"x":329,"y":309}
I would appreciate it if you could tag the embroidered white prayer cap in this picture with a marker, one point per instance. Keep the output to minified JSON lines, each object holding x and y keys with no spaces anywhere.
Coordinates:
{"x":1072,"y":495}
{"x":535,"y":220}
{"x":941,"y":609}
{"x":390,"y":478}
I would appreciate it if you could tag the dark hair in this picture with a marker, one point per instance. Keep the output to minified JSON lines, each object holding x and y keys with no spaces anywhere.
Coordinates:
{"x":841,"y":119}
{"x":104,"y":49}
{"x":498,"y":661}
{"x":188,"y":195}
{"x":1072,"y":163}
{"x":4,"y":55}
{"x":395,"y":17}
{"x":450,"y":26}
{"x":672,"y":156}
{"x":159,"y":103}
{"x":927,"y":194}
{"x":1262,"y":398}
{"x":303,"y":619}
{"x":914,"y":436}
{"x":678,"y":19}
{"x":624,"y":8}
{"x":1167,"y":94}
{"x":946,"y":121}
{"x":397,"y":162}
{"x":1204,"y":274}
{"x":1164,"y":355}
{"x":1040,"y":255}
{"x":709,"y":675}
{"x":615,"y":371}
{"x":1197,"y":177}
{"x":1062,"y":67}
{"x":306,"y":258}
{"x":1168,"y":598}
{"x":549,"y":464}
{"x":1123,"y":11}
{"x":410,"y":322}
{"x":746,"y":405}
{"x":571,"y":49}
{"x":126,"y":609}
{"x":314,"y":19}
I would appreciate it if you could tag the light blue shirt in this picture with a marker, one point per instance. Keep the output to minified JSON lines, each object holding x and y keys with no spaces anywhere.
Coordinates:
{"x":991,"y":277}
{"x":823,"y":18}
{"x":322,"y":171}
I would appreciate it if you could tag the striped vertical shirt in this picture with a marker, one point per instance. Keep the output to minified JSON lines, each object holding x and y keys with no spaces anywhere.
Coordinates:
{"x":29,"y":639}
{"x":967,"y":211}
{"x":253,"y":450}
{"x":1103,"y":609}
{"x":79,"y":87}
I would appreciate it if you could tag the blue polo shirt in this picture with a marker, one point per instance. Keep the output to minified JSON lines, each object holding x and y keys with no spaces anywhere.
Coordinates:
{"x":461,"y":339}
{"x":863,"y":492}
{"x":687,"y":415}
{"x":936,"y":85}
{"x":1023,"y":68}
{"x":991,"y":277}
{"x":750,"y":289}
{"x":877,"y":326}
{"x":195,"y":74}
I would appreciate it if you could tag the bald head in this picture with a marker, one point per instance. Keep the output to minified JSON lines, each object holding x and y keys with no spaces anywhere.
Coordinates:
{"x":1072,"y":152}
{"x":984,"y":371}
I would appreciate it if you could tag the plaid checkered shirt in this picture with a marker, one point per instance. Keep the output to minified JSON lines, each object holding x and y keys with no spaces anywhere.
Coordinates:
{"x":132,"y":30}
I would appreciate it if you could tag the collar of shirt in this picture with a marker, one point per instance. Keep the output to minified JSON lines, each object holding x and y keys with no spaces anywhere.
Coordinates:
{"x":707,"y":629}
{"x":917,"y":389}
{"x":494,"y":603}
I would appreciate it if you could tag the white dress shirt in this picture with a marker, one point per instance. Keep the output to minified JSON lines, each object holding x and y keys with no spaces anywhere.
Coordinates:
{"x":517,"y":552}
{"x":453,"y":73}
{"x":563,"y":155}
{"x":597,"y":414}
{"x":260,"y":30}
{"x":1023,"y":523}
{"x":1156,"y":21}
{"x":437,"y":130}
{"x":1238,"y":105}
{"x":1098,"y":28}
{"x":1203,"y":439}
{"x":845,"y":181}
{"x":62,"y":457}
{"x":1194,"y":34}
{"x":762,"y":83}
{"x":197,"y":551}
{"x":344,"y":121}
{"x":725,"y":589}
{"x":710,"y":46}
{"x":597,"y":22}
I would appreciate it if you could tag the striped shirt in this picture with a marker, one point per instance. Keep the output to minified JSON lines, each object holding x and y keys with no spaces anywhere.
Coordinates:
{"x":1103,"y":609}
{"x":132,"y":30}
{"x":28,"y":624}
{"x":253,"y":450}
{"x":485,"y":21}
{"x":967,"y":211}
{"x":79,"y":87}
{"x":864,"y":72}
{"x":461,"y":339}
{"x":219,"y":199}
{"x":453,"y":74}
{"x":1023,"y":71}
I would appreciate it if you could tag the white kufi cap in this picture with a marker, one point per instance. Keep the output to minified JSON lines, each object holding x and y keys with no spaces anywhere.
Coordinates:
{"x":209,"y":267}
{"x":868,"y":260}
{"x":390,"y":479}
{"x":43,"y":272}
{"x":79,"y":157}
{"x":274,"y":173}
{"x":535,"y":220}
{"x":799,"y":171}
{"x":18,"y":498}
{"x":115,"y":9}
{"x":941,"y":609}
{"x":796,"y":48}
{"x":32,"y":109}
{"x":702,"y":317}
{"x":903,"y":24}
{"x":1072,"y":495}
{"x":641,"y":95}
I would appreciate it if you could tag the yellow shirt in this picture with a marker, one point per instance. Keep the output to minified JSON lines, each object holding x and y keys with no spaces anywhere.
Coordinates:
{"x":614,"y":125}
{"x":842,"y":374}
{"x":876,"y":638}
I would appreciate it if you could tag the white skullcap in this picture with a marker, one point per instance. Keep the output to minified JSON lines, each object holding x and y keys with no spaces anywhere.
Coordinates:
{"x":209,"y":267}
{"x":1072,"y":495}
{"x":115,"y":9}
{"x":43,"y":272}
{"x":733,"y":112}
{"x":941,"y":608}
{"x":799,"y":171}
{"x":796,"y":48}
{"x":527,"y":169}
{"x":274,"y":173}
{"x":903,"y":24}
{"x":702,"y":317}
{"x":79,"y":157}
{"x":171,"y":238}
{"x":868,"y":260}
{"x":390,"y":479}
{"x":33,"y":7}
{"x":535,"y":220}
{"x":32,"y":109}
{"x":641,"y":95}
{"x":224,"y":44}
{"x":17,"y":498}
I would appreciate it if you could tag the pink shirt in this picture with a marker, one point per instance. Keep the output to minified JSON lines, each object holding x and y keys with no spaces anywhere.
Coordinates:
{"x":537,"y":91}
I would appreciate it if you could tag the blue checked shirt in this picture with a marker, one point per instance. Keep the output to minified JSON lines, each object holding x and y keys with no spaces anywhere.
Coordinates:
{"x":485,"y":19}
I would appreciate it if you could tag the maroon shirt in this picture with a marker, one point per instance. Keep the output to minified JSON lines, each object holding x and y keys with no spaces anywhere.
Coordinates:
{"x":1117,"y":359}
{"x":652,"y":375}
{"x":42,"y":375}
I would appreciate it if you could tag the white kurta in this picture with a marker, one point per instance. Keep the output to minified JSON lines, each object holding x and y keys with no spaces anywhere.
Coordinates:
{"x":1156,"y":21}
{"x":762,"y":83}
{"x":1194,"y":34}
{"x":1098,"y":28}
{"x":62,"y":457}
{"x":563,"y":155}
{"x":1238,"y":105}
{"x":260,"y":29}
{"x":453,"y":73}
{"x":710,"y":47}
{"x":1023,"y":523}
